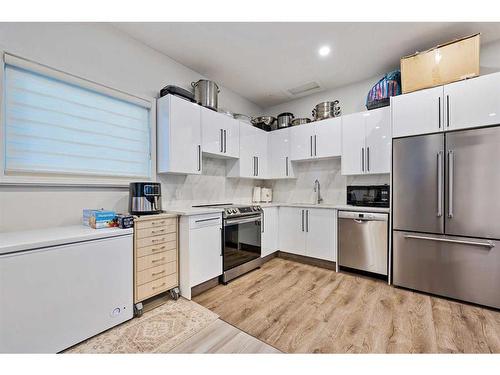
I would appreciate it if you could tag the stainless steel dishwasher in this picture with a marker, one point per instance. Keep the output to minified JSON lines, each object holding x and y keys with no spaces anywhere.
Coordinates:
{"x":363,"y":241}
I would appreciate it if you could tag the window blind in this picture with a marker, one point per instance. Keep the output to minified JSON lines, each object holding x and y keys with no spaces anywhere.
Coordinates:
{"x":58,"y":127}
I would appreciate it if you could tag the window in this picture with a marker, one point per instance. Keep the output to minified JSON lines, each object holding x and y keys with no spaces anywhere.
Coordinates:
{"x":59,"y":126}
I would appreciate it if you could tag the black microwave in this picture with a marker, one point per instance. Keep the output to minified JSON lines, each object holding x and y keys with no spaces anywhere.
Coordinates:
{"x":368,"y":195}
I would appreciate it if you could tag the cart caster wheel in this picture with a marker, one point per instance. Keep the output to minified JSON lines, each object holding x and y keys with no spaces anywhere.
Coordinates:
{"x":174,"y":293}
{"x":138,"y":310}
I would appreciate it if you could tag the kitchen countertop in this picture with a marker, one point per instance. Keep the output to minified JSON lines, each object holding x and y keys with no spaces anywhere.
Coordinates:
{"x":342,"y":207}
{"x":34,"y":239}
{"x":189,"y":211}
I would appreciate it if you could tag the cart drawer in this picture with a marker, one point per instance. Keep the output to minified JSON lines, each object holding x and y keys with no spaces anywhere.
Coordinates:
{"x":155,"y":249}
{"x":156,"y":286}
{"x":156,"y":260}
{"x":156,"y":240}
{"x":153,"y":223}
{"x":155,"y":273}
{"x":156,"y":231}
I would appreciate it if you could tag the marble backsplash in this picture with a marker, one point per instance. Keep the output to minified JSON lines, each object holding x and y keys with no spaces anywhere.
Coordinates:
{"x":333,"y":184}
{"x":214,"y":187}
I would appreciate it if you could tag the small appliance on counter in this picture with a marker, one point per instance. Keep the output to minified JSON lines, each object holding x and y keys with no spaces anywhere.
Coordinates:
{"x":257,"y":191}
{"x":266,"y":195}
{"x":368,"y":195}
{"x":144,"y":198}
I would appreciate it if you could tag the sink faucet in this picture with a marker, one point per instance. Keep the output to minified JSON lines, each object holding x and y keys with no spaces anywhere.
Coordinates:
{"x":317,"y":190}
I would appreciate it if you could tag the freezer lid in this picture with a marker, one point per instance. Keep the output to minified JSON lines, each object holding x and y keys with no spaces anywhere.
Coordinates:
{"x":472,"y":206}
{"x":418,"y":183}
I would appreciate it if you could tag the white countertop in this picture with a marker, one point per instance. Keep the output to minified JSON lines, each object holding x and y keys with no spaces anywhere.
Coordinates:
{"x":189,"y":211}
{"x":34,"y":239}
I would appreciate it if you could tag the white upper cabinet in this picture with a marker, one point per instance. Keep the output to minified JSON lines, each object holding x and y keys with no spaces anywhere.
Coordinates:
{"x":366,"y":142}
{"x":279,"y":161}
{"x":473,"y":102}
{"x":327,"y":138}
{"x":178,"y":136}
{"x":353,"y":144}
{"x":252,"y":162}
{"x":321,"y":139}
{"x":418,"y":112}
{"x":220,"y":134}
{"x":378,"y":140}
{"x":302,"y":142}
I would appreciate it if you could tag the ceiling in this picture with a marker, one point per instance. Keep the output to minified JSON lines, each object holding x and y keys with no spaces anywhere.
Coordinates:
{"x":261,"y":61}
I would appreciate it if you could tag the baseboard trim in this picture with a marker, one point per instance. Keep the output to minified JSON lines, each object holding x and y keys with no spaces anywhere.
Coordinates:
{"x":308,"y":260}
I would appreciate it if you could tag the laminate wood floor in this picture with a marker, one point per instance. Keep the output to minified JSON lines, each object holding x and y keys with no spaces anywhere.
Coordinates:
{"x":299,"y":308}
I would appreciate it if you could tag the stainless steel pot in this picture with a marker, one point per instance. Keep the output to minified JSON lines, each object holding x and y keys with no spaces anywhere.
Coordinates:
{"x":205,"y":93}
{"x":326,"y":110}
{"x":264,"y":122}
{"x":242,"y":117}
{"x":301,"y":121}
{"x":285,"y":119}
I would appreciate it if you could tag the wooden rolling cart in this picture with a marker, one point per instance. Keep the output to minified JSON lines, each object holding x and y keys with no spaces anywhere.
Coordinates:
{"x":156,"y":254}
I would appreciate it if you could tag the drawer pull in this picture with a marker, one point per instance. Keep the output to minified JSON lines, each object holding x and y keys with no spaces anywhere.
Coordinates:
{"x":158,"y":240}
{"x":158,"y":231}
{"x":159,"y":286}
{"x":157,"y":273}
{"x":158,"y":249}
{"x":158,"y":260}
{"x":158,"y":222}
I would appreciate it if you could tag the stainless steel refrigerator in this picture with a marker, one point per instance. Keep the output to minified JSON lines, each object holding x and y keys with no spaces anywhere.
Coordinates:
{"x":446,"y":214}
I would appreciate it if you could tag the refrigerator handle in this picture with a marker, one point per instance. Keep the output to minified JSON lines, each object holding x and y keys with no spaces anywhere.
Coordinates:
{"x":440,"y":184}
{"x":450,"y":183}
{"x":489,"y":244}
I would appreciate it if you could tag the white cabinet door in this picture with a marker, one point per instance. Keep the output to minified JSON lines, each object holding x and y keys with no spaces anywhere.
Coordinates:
{"x":320,"y":233}
{"x":292,"y":237}
{"x":245,"y":165}
{"x":378,"y":141}
{"x":212,"y":132}
{"x":279,"y":165}
{"x":327,"y":138}
{"x":418,"y":112}
{"x":178,"y":136}
{"x":269,"y":230}
{"x":473,"y":102}
{"x":302,"y":142}
{"x":353,"y":144}
{"x":260,"y":147}
{"x":205,"y":254}
{"x":231,"y":137}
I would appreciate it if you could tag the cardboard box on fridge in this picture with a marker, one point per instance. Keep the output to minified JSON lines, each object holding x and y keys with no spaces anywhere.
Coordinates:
{"x":445,"y":63}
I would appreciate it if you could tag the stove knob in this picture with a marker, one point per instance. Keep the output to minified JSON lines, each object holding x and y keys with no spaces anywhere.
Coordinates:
{"x":234,"y":210}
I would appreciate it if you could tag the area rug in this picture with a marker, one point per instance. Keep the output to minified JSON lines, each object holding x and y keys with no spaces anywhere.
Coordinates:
{"x":156,"y":331}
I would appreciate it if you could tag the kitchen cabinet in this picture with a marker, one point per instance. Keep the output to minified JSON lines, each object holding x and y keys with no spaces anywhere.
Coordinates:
{"x":318,"y":140}
{"x":472,"y":102}
{"x":308,"y":231}
{"x":418,"y":112}
{"x":292,"y":237}
{"x":279,"y":162}
{"x":252,"y":162}
{"x":366,"y":142}
{"x":178,"y":136}
{"x":269,"y":231}
{"x":200,"y":252}
{"x":220,"y":134}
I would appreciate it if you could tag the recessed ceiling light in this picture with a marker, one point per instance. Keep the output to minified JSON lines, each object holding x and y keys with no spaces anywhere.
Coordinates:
{"x":324,"y":51}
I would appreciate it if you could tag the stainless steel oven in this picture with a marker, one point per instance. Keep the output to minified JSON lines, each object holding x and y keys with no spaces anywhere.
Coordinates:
{"x":241,"y":240}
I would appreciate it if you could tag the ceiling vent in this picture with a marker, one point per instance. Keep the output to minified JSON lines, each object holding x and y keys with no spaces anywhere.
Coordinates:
{"x":305,"y":89}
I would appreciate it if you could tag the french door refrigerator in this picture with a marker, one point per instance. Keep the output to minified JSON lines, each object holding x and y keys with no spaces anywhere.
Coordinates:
{"x":446,"y":214}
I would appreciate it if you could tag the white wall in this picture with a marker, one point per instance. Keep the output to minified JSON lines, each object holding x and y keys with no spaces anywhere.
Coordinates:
{"x":103,"y":54}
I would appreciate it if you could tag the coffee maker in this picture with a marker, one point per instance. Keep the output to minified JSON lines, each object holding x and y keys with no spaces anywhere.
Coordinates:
{"x":144,"y":198}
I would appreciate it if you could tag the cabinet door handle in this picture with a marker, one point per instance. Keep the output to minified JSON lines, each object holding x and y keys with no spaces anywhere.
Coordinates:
{"x":307,"y":220}
{"x":368,"y":159}
{"x":362,"y":159}
{"x":225,"y":142}
{"x":311,"y":144}
{"x":199,"y":157}
{"x":302,"y":220}
{"x":286,"y":166}
{"x":221,"y":141}
{"x":439,"y":112}
{"x":262,"y":222}
{"x":315,"y":146}
{"x":257,"y":158}
{"x":448,"y":111}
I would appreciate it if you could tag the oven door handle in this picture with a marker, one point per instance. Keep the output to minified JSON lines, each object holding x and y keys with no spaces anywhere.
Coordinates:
{"x":242,"y":221}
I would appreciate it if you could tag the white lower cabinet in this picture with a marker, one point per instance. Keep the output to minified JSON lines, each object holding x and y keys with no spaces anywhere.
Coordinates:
{"x":200,"y":250}
{"x":308,"y":231}
{"x":269,"y":231}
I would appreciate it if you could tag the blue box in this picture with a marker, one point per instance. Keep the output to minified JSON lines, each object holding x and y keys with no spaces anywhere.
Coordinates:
{"x":98,"y":219}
